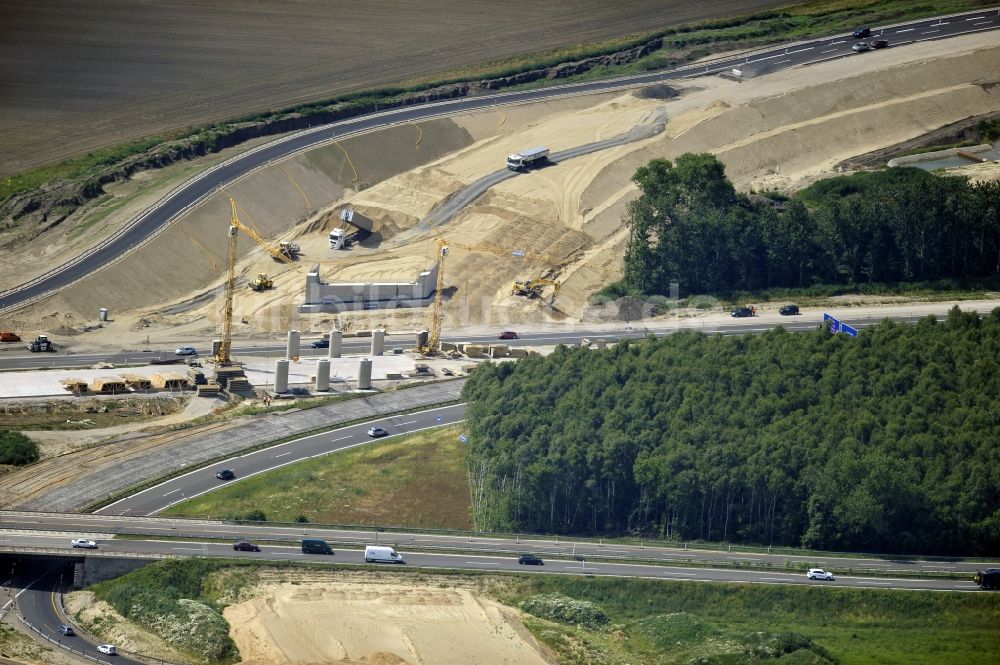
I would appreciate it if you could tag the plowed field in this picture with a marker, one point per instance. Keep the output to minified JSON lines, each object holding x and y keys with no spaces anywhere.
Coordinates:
{"x":79,"y":76}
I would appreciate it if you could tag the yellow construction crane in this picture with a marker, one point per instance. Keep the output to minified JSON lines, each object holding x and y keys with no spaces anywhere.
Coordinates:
{"x":235,"y":226}
{"x":437,"y":315}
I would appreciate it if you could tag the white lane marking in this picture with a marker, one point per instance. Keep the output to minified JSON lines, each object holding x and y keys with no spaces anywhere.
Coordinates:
{"x":876,"y":583}
{"x":975,"y":18}
{"x":982,"y":23}
{"x":906,"y":30}
{"x":929,"y":32}
{"x":189,"y":549}
{"x":339,"y":439}
{"x":778,"y":62}
{"x":173,"y":492}
{"x":829,"y":50}
{"x":843,"y":41}
{"x":808,"y":48}
{"x":408,"y":422}
{"x":283,"y":454}
{"x":481,"y":563}
{"x":775,"y":579}
{"x":670,"y":572}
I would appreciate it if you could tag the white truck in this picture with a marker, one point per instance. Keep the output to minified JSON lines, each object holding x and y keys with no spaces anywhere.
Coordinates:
{"x":379,"y":554}
{"x":526,"y":159}
{"x":338,"y":239}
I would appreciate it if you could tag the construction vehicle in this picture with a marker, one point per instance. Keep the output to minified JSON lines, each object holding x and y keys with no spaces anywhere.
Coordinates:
{"x":40,"y":344}
{"x":261,"y":282}
{"x":288,"y":250}
{"x":526,"y":159}
{"x":9,"y":337}
{"x":338,"y":239}
{"x":532,"y":288}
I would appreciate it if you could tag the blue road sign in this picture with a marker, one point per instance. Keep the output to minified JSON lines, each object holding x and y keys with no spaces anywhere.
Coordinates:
{"x":463,"y":438}
{"x":838,"y":326}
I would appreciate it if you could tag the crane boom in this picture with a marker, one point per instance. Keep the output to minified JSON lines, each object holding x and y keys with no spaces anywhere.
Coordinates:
{"x":437,"y":314}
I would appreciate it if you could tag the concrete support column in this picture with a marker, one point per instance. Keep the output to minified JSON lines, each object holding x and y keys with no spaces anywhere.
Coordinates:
{"x":422,"y":338}
{"x":322,"y":375}
{"x":378,"y":342}
{"x":365,"y":374}
{"x":216,"y":345}
{"x":281,"y":376}
{"x":336,"y":343}
{"x":292,"y":350}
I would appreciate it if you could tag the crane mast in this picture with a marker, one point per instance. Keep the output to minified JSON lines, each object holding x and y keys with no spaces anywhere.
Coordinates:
{"x":227,"y":312}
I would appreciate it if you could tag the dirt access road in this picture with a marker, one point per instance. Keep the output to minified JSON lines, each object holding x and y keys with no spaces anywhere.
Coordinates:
{"x":82,"y":76}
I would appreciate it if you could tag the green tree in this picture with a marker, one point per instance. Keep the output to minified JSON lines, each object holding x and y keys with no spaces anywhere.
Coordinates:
{"x":17,"y":449}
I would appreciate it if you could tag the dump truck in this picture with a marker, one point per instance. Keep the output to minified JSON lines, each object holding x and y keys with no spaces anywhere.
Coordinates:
{"x":338,"y":239}
{"x":6,"y":336}
{"x":261,"y":282}
{"x":40,"y":343}
{"x":526,"y":159}
{"x":289,"y":249}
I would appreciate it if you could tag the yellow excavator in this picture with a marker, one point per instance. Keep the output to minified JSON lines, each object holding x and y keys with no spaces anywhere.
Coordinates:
{"x":261,"y":282}
{"x":532,"y":288}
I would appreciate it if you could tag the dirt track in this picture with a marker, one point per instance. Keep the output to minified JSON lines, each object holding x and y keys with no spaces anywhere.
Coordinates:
{"x":95,"y":74}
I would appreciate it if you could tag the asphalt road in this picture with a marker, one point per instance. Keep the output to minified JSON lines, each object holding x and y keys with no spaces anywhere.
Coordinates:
{"x":196,"y":483}
{"x":201,"y":186}
{"x":354,"y":554}
{"x":23,"y":359}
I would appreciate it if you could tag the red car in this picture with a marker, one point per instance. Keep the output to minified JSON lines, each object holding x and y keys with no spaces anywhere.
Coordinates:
{"x":507,"y":334}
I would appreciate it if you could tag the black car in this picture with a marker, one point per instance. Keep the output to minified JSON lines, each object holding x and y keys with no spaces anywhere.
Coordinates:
{"x":530,"y":560}
{"x":880,"y":43}
{"x":789,"y":310}
{"x":741,"y":312}
{"x":988,"y":579}
{"x":225,"y":474}
{"x":321,"y":343}
{"x":245,"y":546}
{"x":66,"y":630}
{"x":861,"y":33}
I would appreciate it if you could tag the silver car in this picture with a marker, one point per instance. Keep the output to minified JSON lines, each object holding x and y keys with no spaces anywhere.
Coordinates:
{"x":819,"y":574}
{"x":84,"y":543}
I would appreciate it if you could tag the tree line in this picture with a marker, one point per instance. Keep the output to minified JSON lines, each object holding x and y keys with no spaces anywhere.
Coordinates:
{"x":884,"y":443}
{"x":691,"y":227}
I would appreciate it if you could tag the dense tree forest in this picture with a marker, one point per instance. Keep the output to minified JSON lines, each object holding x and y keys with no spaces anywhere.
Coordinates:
{"x":887,"y":442}
{"x":691,"y":227}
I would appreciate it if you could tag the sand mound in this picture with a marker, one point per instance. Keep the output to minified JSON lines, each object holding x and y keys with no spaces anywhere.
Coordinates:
{"x":384,"y":624}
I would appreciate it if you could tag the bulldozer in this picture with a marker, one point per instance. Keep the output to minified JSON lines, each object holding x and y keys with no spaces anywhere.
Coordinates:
{"x":531,"y":288}
{"x":261,"y":282}
{"x":40,"y":343}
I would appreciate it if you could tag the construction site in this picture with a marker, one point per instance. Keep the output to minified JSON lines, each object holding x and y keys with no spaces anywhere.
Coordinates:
{"x":351,"y":237}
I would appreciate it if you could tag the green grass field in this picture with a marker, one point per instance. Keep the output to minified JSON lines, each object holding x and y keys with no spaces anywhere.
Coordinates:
{"x":416,"y":481}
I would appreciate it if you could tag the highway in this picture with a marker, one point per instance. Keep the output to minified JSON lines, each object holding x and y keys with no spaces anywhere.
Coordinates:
{"x":24,"y":359}
{"x":200,"y":187}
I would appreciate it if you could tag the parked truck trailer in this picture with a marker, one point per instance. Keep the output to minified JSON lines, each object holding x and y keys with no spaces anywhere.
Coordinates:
{"x":527,"y":159}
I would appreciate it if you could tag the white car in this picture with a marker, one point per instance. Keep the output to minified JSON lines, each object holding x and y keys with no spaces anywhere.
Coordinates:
{"x":185,"y":351}
{"x":84,"y":543}
{"x":108,"y":649}
{"x":819,"y":574}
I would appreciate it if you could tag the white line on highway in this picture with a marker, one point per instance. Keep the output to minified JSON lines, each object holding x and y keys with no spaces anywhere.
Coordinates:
{"x":408,"y":422}
{"x":778,"y":62}
{"x":843,"y":41}
{"x":670,"y":572}
{"x":982,"y":23}
{"x":876,"y":583}
{"x":775,"y":579}
{"x":172,"y":492}
{"x":339,"y":438}
{"x":282,"y":455}
{"x":975,"y":18}
{"x":808,"y":48}
{"x":188,"y":549}
{"x":829,"y":50}
{"x":928,"y":32}
{"x":481,"y":563}
{"x":906,"y":30}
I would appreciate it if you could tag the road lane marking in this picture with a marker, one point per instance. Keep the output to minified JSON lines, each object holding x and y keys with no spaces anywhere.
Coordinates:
{"x":929,"y":32}
{"x":778,"y":62}
{"x":283,"y":454}
{"x":172,"y":492}
{"x":408,"y":422}
{"x":481,"y":563}
{"x":775,"y":579}
{"x":975,"y":18}
{"x":830,"y":50}
{"x":190,"y":549}
{"x":339,"y":439}
{"x":808,"y":48}
{"x":876,"y":583}
{"x":982,"y":23}
{"x":843,"y":41}
{"x":906,"y":30}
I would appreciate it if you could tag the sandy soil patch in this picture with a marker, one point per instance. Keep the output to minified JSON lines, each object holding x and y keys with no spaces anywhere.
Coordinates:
{"x":378,"y":622}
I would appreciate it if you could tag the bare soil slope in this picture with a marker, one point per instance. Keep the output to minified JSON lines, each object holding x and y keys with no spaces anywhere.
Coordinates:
{"x":80,"y":76}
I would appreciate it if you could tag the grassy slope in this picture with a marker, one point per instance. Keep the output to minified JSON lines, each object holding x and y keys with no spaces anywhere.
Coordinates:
{"x":414,"y":481}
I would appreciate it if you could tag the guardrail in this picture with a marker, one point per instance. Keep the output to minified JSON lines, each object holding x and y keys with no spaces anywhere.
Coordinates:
{"x":59,"y":643}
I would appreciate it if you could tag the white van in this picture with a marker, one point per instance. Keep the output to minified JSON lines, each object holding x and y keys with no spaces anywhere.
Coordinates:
{"x":378,"y":554}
